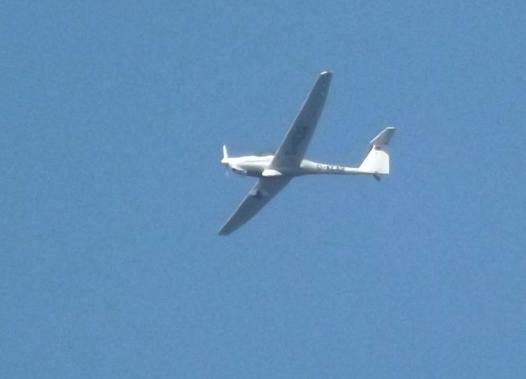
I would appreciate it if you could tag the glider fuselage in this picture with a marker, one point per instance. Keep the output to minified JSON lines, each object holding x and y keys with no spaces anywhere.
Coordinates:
{"x":260,"y":166}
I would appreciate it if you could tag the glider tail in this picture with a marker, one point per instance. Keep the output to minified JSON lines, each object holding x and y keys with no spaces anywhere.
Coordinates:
{"x":377,"y":160}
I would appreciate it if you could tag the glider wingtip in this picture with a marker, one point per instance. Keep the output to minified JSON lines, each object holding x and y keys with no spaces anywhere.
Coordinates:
{"x":224,"y":231}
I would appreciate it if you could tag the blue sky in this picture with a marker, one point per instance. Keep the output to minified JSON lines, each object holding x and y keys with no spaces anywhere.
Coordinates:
{"x":112,"y":120}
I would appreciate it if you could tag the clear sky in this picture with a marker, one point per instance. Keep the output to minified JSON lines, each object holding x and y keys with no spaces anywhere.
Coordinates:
{"x":112,"y":117}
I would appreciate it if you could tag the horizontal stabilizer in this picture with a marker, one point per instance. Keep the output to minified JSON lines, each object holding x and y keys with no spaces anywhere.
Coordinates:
{"x":383,"y":137}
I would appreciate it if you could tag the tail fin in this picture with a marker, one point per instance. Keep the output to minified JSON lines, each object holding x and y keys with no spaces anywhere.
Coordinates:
{"x":225,"y":155}
{"x":377,"y":160}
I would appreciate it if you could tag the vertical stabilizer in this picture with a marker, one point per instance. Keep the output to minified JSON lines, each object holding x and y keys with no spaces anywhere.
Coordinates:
{"x":377,"y":159}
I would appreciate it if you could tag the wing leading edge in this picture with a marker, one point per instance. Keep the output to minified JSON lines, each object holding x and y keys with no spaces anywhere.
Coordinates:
{"x":292,"y":149}
{"x":264,"y":190}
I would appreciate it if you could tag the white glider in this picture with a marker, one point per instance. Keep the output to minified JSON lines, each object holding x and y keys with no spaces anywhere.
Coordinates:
{"x":275,"y":171}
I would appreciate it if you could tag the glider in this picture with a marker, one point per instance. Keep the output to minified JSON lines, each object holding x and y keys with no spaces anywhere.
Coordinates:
{"x":276,"y":171}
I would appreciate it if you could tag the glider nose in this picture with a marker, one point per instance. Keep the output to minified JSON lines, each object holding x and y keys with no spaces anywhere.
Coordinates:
{"x":225,"y":155}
